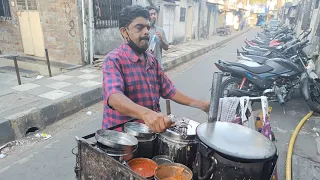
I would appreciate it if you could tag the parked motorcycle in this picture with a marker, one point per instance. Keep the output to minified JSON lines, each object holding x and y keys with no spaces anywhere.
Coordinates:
{"x":277,"y":78}
{"x":285,"y":51}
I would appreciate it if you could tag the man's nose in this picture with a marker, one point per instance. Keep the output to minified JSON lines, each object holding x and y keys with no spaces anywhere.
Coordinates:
{"x":147,"y":32}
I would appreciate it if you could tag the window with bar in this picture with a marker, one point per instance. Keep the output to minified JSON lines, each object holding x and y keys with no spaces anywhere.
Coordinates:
{"x":107,"y":12}
{"x":27,"y":5}
{"x":182,"y":14}
{"x":317,"y":4}
{"x":5,"y":12}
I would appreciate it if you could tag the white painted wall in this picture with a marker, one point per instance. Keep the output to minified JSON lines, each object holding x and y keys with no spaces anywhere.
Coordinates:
{"x":180,"y":27}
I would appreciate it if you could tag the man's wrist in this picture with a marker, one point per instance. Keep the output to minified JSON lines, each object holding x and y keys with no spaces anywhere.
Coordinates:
{"x":199,"y":104}
{"x":142,"y":112}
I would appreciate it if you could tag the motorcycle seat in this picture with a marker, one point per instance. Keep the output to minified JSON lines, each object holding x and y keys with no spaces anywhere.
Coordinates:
{"x":258,"y":49}
{"x":254,"y":69}
{"x":258,"y":59}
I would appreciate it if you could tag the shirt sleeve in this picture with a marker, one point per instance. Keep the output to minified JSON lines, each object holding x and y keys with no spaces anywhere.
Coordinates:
{"x":112,"y":78}
{"x":167,"y":89}
{"x":164,"y":37}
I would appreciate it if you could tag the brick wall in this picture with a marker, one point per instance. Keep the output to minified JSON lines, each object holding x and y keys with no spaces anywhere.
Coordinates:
{"x":59,"y":20}
{"x":10,"y":38}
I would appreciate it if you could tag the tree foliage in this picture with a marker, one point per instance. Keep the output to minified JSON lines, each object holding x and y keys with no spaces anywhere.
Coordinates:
{"x":258,"y":1}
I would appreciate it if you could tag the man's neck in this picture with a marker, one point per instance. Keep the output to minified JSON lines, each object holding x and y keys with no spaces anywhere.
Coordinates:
{"x":142,"y":57}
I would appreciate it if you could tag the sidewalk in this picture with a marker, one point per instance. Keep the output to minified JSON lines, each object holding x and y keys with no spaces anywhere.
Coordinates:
{"x":39,"y":103}
{"x":306,"y":154}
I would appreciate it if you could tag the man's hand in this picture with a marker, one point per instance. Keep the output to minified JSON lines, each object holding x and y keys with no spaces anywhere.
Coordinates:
{"x":159,"y":36}
{"x":157,"y":122}
{"x":205,"y":106}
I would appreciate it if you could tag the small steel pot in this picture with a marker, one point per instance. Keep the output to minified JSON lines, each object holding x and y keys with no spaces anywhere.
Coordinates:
{"x":162,"y":159}
{"x":143,"y":166}
{"x":173,"y":170}
{"x":116,"y":140}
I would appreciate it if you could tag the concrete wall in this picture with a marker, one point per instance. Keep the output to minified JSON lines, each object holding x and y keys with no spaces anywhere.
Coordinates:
{"x":59,"y":20}
{"x":10,"y":38}
{"x":203,"y":18}
{"x":313,"y":48}
{"x":180,"y":27}
{"x":106,"y":40}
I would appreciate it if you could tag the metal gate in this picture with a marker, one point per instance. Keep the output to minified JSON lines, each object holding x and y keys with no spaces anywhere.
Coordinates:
{"x":107,"y":12}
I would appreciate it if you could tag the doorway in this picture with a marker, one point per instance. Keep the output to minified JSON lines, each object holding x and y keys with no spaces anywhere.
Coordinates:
{"x":189,"y":23}
{"x":30,"y":28}
{"x":168,"y":22}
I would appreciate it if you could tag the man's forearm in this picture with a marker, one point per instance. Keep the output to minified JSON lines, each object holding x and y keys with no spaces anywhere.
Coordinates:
{"x":125,"y":106}
{"x":186,"y":100}
{"x":164,"y":45}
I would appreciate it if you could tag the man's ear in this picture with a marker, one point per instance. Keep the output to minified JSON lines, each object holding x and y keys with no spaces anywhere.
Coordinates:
{"x":124,"y":33}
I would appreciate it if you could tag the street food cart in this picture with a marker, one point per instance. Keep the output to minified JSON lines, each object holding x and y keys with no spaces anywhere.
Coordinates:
{"x":211,"y":150}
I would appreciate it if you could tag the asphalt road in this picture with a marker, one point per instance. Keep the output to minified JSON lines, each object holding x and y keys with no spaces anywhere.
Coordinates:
{"x":34,"y":159}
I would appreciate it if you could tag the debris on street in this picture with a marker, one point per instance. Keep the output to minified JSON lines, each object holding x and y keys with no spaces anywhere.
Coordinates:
{"x":45,"y":136}
{"x":2,"y":156}
{"x":89,"y":113}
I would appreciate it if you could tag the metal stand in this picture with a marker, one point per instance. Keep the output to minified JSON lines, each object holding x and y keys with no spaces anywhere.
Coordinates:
{"x":15,"y":61}
{"x":168,"y":106}
{"x":48,"y":62}
{"x":215,"y":96}
{"x":17,"y":69}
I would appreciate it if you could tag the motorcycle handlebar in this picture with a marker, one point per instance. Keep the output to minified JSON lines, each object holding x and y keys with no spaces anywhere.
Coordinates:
{"x":304,"y":43}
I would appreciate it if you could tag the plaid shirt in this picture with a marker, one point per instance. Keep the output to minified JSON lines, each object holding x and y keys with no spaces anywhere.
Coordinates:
{"x":141,"y":81}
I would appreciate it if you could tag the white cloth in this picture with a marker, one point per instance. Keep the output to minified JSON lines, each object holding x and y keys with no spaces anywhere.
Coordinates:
{"x":228,"y":108}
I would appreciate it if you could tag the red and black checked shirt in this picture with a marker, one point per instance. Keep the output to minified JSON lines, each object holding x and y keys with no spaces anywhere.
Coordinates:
{"x":142,"y":82}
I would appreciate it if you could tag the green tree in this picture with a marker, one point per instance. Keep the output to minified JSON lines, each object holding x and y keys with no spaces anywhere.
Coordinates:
{"x":258,"y":1}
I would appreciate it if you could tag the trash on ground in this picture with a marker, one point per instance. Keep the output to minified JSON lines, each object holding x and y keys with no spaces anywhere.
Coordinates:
{"x":89,"y":113}
{"x":39,"y":77}
{"x":45,"y":136}
{"x":2,"y":156}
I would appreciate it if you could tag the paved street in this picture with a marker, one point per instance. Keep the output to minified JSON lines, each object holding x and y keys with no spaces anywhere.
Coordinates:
{"x":52,"y":159}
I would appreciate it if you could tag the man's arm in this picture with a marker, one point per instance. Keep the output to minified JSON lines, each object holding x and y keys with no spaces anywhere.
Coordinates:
{"x":164,"y":42}
{"x":125,"y":106}
{"x":168,"y":91}
{"x":188,"y":101}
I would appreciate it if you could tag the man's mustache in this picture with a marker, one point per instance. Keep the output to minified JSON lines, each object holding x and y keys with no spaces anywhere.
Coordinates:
{"x":145,"y":38}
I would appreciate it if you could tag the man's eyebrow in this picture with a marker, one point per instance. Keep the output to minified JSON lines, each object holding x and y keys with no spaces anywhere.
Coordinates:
{"x":142,"y":25}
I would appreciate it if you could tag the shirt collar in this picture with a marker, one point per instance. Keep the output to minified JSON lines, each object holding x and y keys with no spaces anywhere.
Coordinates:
{"x":134,"y":57}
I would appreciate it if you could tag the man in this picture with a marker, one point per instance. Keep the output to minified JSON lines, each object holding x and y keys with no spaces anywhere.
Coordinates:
{"x":162,"y":42}
{"x":133,"y":80}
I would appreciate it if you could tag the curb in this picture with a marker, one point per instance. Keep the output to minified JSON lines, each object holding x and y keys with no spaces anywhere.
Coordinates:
{"x":190,"y":56}
{"x":16,"y":125}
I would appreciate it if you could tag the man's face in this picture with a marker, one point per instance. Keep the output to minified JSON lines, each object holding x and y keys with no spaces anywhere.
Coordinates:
{"x":138,"y":32}
{"x":153,"y":16}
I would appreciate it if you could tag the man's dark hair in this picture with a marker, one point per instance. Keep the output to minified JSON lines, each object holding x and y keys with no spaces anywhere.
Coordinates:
{"x":151,"y":8}
{"x":129,"y":13}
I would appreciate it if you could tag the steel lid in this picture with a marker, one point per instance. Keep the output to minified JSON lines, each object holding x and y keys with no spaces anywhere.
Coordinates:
{"x":191,"y":131}
{"x":236,"y":141}
{"x":138,"y":130}
{"x":116,"y":140}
